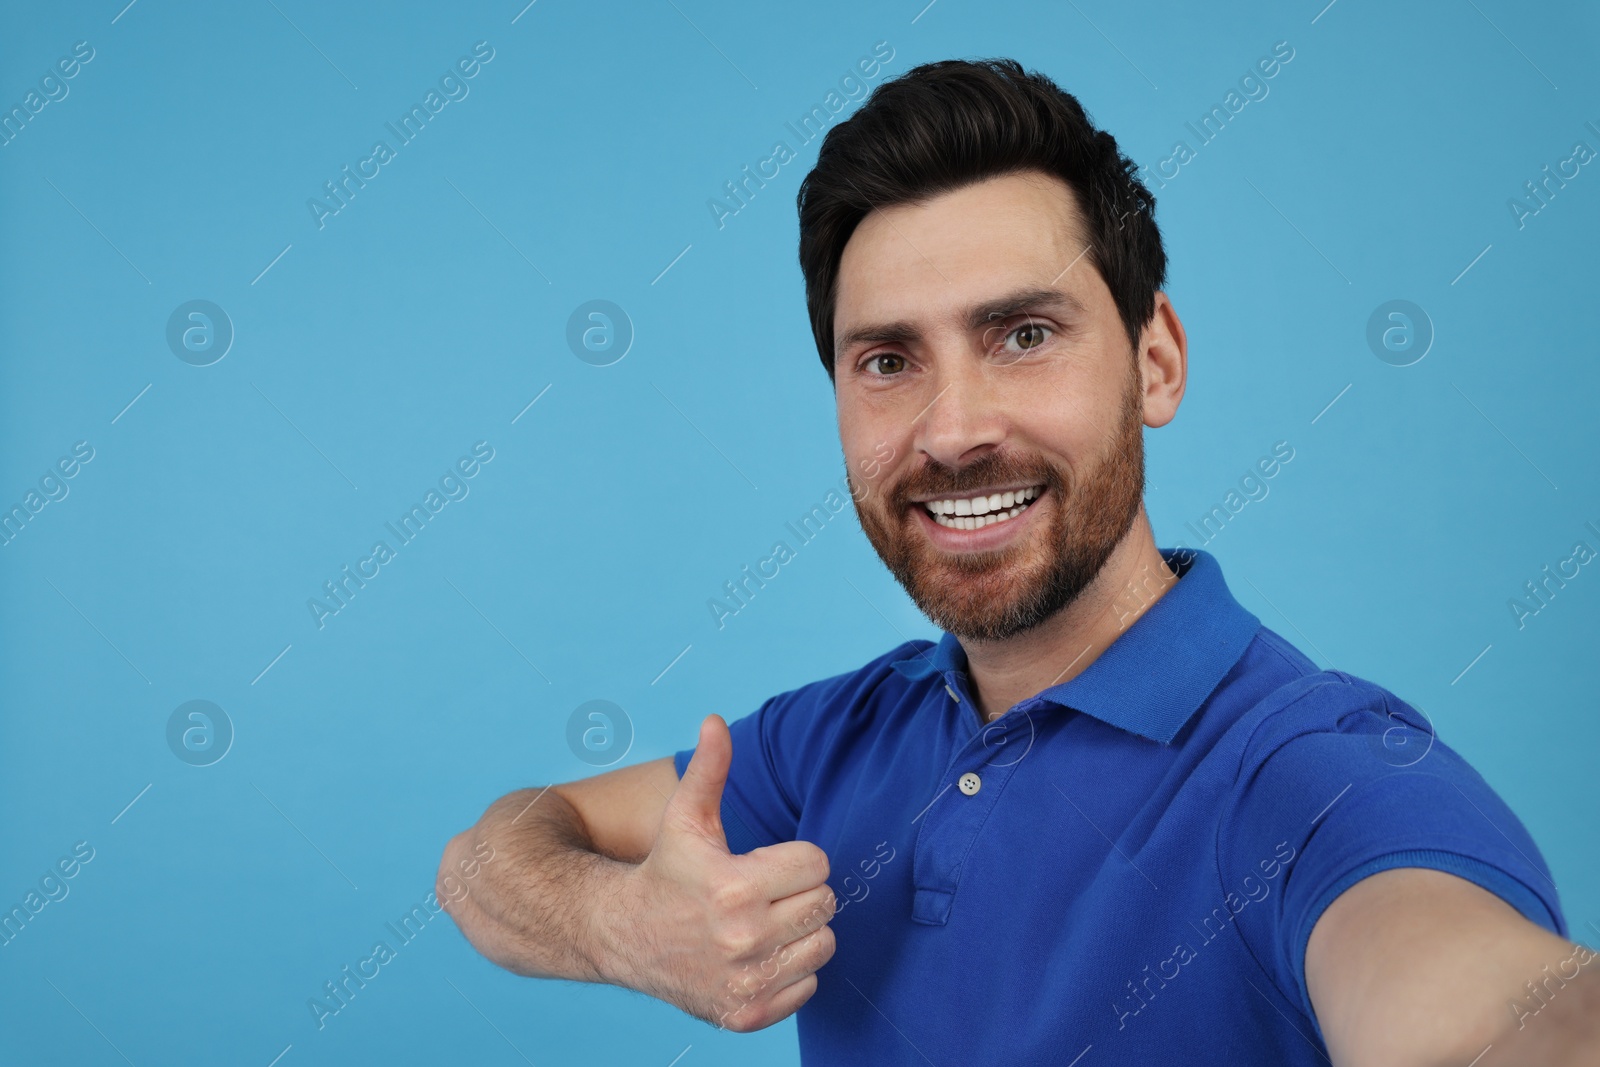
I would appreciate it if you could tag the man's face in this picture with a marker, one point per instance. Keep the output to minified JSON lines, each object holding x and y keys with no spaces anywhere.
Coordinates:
{"x":980,"y":351}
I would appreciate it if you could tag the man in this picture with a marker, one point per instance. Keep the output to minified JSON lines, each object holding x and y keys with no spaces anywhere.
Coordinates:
{"x":1109,"y":817}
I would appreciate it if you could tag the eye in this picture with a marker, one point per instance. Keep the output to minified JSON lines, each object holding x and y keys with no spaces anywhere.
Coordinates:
{"x":1030,"y":335}
{"x":897,"y":363}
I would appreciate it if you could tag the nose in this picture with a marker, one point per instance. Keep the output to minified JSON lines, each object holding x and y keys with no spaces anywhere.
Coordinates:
{"x":963,"y":418}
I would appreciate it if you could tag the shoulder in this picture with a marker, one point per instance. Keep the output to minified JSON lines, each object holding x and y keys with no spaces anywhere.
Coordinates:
{"x":1296,"y":700}
{"x":815,"y":731}
{"x":803,"y":735}
{"x":1331,"y":756}
{"x":862,"y":690}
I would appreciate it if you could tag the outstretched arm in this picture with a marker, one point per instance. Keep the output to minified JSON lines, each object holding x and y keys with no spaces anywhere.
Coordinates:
{"x":626,"y":878}
{"x":537,"y":906}
{"x":1418,"y":968}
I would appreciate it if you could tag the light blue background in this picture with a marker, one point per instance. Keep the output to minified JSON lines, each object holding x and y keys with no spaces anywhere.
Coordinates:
{"x":429,"y":312}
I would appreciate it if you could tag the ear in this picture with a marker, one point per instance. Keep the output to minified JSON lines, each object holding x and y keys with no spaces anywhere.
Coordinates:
{"x":1163,"y":363}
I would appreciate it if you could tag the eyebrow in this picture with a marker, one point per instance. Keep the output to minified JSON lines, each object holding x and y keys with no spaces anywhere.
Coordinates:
{"x":1041,"y":299}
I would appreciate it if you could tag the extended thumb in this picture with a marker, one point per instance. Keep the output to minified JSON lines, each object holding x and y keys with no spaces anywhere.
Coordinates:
{"x":698,"y":797}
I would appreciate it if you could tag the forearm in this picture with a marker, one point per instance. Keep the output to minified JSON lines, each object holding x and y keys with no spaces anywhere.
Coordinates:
{"x":1558,"y":1027}
{"x":538,"y":908}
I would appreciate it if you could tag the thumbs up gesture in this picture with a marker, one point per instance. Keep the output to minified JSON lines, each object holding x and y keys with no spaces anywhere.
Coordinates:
{"x":734,"y":940}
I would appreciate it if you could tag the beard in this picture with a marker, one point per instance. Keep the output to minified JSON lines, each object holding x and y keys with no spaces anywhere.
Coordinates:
{"x":996,"y":594}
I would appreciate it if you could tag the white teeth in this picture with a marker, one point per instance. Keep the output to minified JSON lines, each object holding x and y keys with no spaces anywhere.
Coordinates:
{"x":994,"y":507}
{"x":974,"y":522}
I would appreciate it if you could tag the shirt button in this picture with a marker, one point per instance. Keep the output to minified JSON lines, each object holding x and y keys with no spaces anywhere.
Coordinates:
{"x":970,"y":783}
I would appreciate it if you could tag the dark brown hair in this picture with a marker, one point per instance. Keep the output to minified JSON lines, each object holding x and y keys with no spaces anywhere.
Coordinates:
{"x":944,"y":125}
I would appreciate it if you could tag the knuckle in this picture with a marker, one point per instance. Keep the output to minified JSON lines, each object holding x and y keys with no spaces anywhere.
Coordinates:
{"x":826,"y":944}
{"x":798,"y":929}
{"x":819,"y":860}
{"x":820,"y":914}
{"x":830,"y":901}
{"x":737,"y":941}
{"x":744,"y":1021}
{"x":818,"y":949}
{"x":748,"y":1017}
{"x":809,"y":862}
{"x":805,"y":989}
{"x":729,"y":895}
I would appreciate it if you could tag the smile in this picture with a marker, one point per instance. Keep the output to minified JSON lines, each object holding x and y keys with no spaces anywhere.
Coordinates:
{"x":973,"y":513}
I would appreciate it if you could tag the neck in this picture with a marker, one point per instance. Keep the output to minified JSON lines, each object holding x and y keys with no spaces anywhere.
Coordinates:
{"x":1133,"y":578}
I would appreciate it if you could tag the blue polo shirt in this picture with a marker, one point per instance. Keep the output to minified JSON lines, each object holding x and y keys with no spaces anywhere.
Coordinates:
{"x":1123,"y":869}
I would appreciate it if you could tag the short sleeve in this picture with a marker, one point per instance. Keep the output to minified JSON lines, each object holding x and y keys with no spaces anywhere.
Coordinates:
{"x":1347,"y":781}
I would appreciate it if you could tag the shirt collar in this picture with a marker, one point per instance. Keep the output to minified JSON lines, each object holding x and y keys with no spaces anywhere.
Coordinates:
{"x":1156,"y":674}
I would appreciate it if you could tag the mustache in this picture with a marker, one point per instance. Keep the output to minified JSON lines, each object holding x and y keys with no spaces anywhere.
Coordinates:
{"x":935,"y":479}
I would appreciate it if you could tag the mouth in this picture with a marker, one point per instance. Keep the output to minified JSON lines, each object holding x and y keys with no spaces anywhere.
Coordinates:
{"x":976,"y":512}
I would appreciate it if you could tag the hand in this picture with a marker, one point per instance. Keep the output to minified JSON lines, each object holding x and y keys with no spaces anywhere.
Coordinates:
{"x":733,"y":940}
